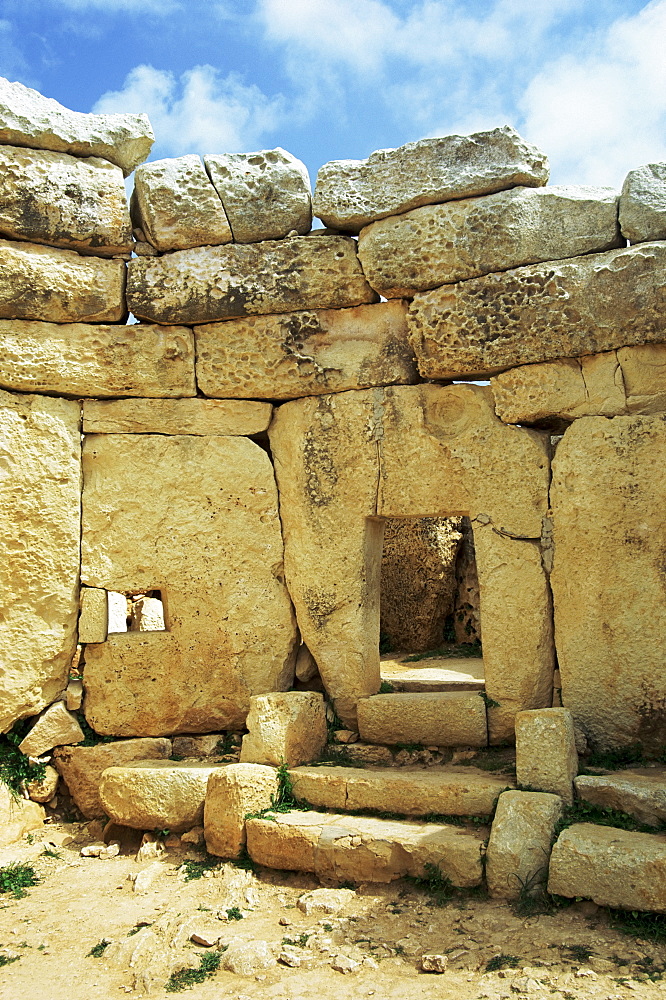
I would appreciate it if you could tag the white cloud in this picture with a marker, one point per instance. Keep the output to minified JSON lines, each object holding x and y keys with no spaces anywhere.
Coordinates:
{"x":600,"y":113}
{"x":202,"y":112}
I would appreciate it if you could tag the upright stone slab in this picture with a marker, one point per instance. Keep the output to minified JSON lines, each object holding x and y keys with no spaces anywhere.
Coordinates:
{"x":541,"y":312}
{"x":546,"y":757}
{"x":40,"y":454}
{"x":643,"y":203}
{"x":608,"y":497}
{"x":27,"y":118}
{"x":285,"y":728}
{"x":265,"y":194}
{"x":232,"y":793}
{"x":63,"y":201}
{"x":520,"y":842}
{"x":218,"y":283}
{"x":351,"y":193}
{"x":215,"y":555}
{"x":440,"y":244}
{"x":176,"y":206}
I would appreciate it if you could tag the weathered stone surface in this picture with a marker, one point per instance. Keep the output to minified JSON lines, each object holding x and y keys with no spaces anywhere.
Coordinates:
{"x":27,"y":118}
{"x":287,"y":727}
{"x":643,"y":203}
{"x":197,"y":746}
{"x":63,"y":201}
{"x":540,"y":312}
{"x":176,"y":416}
{"x":418,"y":580}
{"x":82,"y":360}
{"x":322,"y":901}
{"x":439,"y":244}
{"x":216,"y":558}
{"x":216,"y":283}
{"x":265,"y":194}
{"x":306,"y":667}
{"x":444,"y":719}
{"x":245,"y":958}
{"x":363,"y":849}
{"x":234,"y":792}
{"x":305,"y":353}
{"x":17,"y":816}
{"x":60,"y":286}
{"x":176,"y":206}
{"x":154,"y":794}
{"x":520,"y":841}
{"x":40,"y":455}
{"x":82,"y":767}
{"x":55,"y":727}
{"x":45,"y":789}
{"x":608,"y":502}
{"x":546,"y":757}
{"x":448,"y":791}
{"x":74,"y":695}
{"x":641,"y":792}
{"x":94,"y":617}
{"x":644,"y":375}
{"x":613,"y":867}
{"x":351,"y":193}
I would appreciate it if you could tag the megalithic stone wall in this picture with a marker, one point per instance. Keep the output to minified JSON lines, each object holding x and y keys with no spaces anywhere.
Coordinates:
{"x":249,"y":323}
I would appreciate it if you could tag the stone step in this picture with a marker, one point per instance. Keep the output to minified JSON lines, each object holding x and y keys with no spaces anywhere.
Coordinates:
{"x":157,"y":794}
{"x":641,"y":792}
{"x":337,"y":846}
{"x":449,"y":791}
{"x":445,"y":718}
{"x":432,"y":673}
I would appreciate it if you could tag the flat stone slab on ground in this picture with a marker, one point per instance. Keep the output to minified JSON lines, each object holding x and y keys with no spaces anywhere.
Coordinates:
{"x":176,"y":416}
{"x":443,"y":719}
{"x":152,"y":795}
{"x":641,"y":792}
{"x":433,"y":674}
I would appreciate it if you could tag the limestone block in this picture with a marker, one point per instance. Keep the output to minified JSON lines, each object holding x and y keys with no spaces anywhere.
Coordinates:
{"x":287,"y":727}
{"x":216,"y":283}
{"x":147,"y":615}
{"x":444,"y":719}
{"x":446,"y":791}
{"x":74,"y":695}
{"x":27,"y":118}
{"x":156,"y":794}
{"x":197,"y":746}
{"x":94,"y":617}
{"x":40,"y":455}
{"x":641,"y":792}
{"x":60,"y":286}
{"x":82,"y":360}
{"x":363,"y":849}
{"x":176,"y":416}
{"x":117,"y":612}
{"x":17,"y":816}
{"x":644,"y":374}
{"x":540,"y":312}
{"x":234,"y":792}
{"x":82,"y":767}
{"x":246,"y":958}
{"x":322,"y":901}
{"x":608,"y":502}
{"x":643,"y":203}
{"x":176,"y":206}
{"x":351,"y":193}
{"x":305,"y":353}
{"x":64,"y":201}
{"x":613,"y":867}
{"x":306,"y":667}
{"x":546,"y":757}
{"x":45,"y":789}
{"x":265,"y":194}
{"x":520,"y":842}
{"x":215,"y":555}
{"x":438,"y":244}
{"x":55,"y":727}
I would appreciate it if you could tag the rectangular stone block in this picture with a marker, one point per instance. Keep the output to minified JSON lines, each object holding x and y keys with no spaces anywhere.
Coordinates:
{"x":83,"y":360}
{"x":64,"y":201}
{"x":641,"y":792}
{"x":94,"y":616}
{"x":541,"y":312}
{"x":233,"y":792}
{"x":521,"y":839}
{"x":277,"y":276}
{"x":305,"y":353}
{"x":285,"y":727}
{"x":176,"y":416}
{"x":546,"y":757}
{"x":156,"y":794}
{"x":59,"y":286}
{"x":643,"y":203}
{"x":644,"y":375}
{"x":443,"y":719}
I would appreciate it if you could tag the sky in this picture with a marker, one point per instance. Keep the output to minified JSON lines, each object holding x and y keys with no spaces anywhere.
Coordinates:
{"x":335,"y":79}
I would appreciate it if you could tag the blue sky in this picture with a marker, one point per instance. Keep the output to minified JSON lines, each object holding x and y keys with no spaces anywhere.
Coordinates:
{"x":332,"y":79}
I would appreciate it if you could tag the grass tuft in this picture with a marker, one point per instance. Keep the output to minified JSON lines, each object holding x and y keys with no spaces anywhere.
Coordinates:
{"x":17,"y":877}
{"x":186,"y":978}
{"x":195,"y":869}
{"x":498,"y":962}
{"x":640,"y":924}
{"x":438,"y":886}
{"x":98,"y":949}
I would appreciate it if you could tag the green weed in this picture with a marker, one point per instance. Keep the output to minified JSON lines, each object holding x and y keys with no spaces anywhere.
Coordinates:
{"x":195,"y":869}
{"x":225,"y":744}
{"x":615,"y":760}
{"x":91,"y":738}
{"x":17,"y":877}
{"x":585,"y":812}
{"x":638,"y":923}
{"x":386,"y":688}
{"x":579,"y":952}
{"x":299,"y":942}
{"x":234,"y":913}
{"x":98,"y":949}
{"x":6,"y":960}
{"x":51,"y":852}
{"x":438,"y":886}
{"x":185,"y":978}
{"x":488,"y":701}
{"x":138,"y":926}
{"x":15,"y":768}
{"x":498,"y":962}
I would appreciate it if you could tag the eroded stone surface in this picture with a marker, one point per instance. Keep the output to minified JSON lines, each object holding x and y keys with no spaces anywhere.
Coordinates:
{"x":439,"y":244}
{"x":265,"y":194}
{"x":234,"y":792}
{"x":305,"y":353}
{"x":40,"y":454}
{"x":520,"y":841}
{"x":59,"y":286}
{"x":644,"y":375}
{"x":351,"y":193}
{"x":540,"y":312}
{"x":27,"y":118}
{"x":156,"y":795}
{"x":288,"y":727}
{"x":216,"y":558}
{"x":55,"y":727}
{"x":17,"y":816}
{"x":176,"y":206}
{"x":641,"y":792}
{"x":216,"y":283}
{"x":63,"y":201}
{"x":643,"y":203}
{"x":444,"y":719}
{"x":176,"y":416}
{"x":546,"y":757}
{"x":608,"y":502}
{"x":85,"y":360}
